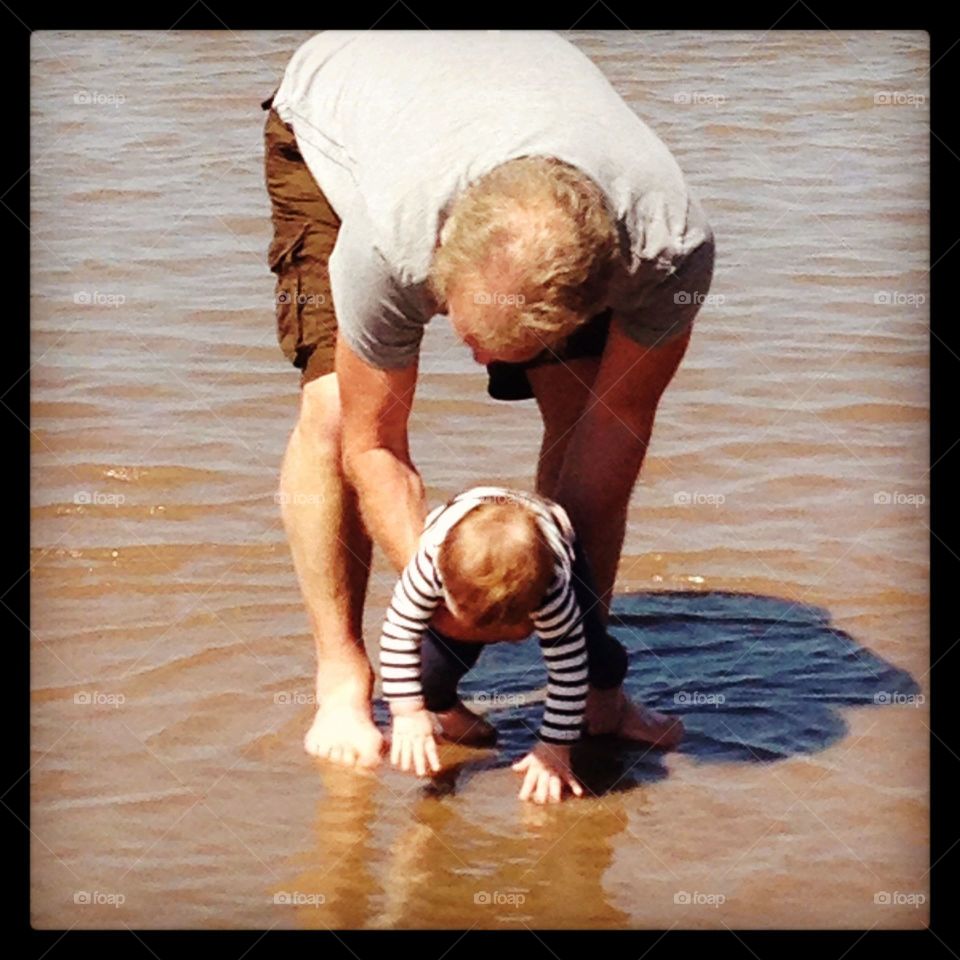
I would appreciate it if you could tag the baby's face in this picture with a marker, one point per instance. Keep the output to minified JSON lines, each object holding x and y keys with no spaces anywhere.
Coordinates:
{"x":492,"y":633}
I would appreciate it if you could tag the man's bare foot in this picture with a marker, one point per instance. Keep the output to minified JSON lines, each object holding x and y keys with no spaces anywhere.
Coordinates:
{"x":344,"y":735}
{"x":460,"y":725}
{"x":611,"y":712}
{"x":343,"y":730}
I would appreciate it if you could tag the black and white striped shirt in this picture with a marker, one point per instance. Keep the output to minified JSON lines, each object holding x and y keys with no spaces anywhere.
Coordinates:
{"x":558,"y":620}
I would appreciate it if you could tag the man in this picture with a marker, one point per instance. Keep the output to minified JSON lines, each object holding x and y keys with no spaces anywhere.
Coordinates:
{"x":497,"y":179}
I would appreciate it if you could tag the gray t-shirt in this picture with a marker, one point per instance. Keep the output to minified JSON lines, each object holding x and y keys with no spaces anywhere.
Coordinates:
{"x":393,"y":125}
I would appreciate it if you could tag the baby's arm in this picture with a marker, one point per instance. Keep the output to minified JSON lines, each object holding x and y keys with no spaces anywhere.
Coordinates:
{"x":415,"y":598}
{"x":558,"y":625}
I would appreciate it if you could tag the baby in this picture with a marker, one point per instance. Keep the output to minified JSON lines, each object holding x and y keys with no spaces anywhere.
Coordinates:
{"x":496,"y":558}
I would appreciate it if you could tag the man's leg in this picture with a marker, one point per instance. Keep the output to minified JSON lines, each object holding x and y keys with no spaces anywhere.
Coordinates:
{"x":331,"y":551}
{"x":563,"y":392}
{"x":600,"y":434}
{"x":331,"y":555}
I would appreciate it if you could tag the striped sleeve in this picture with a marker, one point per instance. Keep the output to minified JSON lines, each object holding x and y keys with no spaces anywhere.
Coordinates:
{"x":415,"y":598}
{"x":559,"y":626}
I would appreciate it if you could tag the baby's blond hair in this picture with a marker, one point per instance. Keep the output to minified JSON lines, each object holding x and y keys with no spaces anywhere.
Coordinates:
{"x":496,"y":564}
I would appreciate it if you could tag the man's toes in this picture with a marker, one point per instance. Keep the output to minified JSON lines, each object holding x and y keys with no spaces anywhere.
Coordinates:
{"x":369,"y":758}
{"x":313,"y":744}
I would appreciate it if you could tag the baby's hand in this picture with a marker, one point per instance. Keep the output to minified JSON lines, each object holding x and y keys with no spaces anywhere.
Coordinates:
{"x":412,"y":740}
{"x":547,"y":769}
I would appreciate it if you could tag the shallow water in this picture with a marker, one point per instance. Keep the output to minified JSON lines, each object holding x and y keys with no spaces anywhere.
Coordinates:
{"x":769,"y":592}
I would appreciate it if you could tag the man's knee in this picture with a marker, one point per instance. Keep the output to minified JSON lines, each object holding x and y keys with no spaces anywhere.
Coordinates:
{"x":319,"y":423}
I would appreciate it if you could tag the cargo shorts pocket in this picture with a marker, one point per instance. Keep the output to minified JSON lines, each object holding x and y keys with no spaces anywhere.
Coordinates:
{"x":288,"y":295}
{"x":306,"y":321}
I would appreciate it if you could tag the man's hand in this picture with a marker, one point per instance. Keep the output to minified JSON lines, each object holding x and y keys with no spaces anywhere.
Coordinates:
{"x":412,"y":741}
{"x":547,"y":769}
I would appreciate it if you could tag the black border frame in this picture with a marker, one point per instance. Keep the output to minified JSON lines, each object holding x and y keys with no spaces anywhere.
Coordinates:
{"x":17,"y":26}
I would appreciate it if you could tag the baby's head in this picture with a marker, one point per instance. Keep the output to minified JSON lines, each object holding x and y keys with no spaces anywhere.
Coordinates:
{"x":495,"y":564}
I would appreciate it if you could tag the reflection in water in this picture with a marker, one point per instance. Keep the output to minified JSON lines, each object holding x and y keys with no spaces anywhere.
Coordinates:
{"x":342,"y":872}
{"x":400,"y":855}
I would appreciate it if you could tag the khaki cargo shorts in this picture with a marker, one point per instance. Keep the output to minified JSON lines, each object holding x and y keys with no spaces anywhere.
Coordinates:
{"x":304,"y":233}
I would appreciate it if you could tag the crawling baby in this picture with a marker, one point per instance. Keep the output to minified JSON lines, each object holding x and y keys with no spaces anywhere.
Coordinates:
{"x":496,"y":558}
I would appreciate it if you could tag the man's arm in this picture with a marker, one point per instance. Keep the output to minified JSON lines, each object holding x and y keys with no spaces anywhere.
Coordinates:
{"x":375,"y":410}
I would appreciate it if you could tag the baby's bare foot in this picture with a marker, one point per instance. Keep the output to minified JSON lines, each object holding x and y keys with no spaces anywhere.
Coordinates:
{"x":460,"y":725}
{"x":611,"y":712}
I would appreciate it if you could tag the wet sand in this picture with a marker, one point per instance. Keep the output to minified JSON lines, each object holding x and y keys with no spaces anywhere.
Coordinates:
{"x":774,"y":583}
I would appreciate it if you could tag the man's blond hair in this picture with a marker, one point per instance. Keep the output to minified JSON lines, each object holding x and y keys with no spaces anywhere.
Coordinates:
{"x":544,"y":229}
{"x":496,"y":564}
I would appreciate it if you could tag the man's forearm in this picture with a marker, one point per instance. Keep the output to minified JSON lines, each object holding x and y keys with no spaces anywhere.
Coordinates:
{"x":392,"y":502}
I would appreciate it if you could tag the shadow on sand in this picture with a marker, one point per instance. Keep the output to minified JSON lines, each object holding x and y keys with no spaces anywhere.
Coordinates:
{"x":755,"y":679}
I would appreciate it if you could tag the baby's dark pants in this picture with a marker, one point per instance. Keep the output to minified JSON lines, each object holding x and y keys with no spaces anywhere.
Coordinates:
{"x":444,"y":660}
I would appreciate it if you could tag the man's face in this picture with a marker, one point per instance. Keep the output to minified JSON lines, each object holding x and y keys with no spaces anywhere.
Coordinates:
{"x":468,"y":317}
